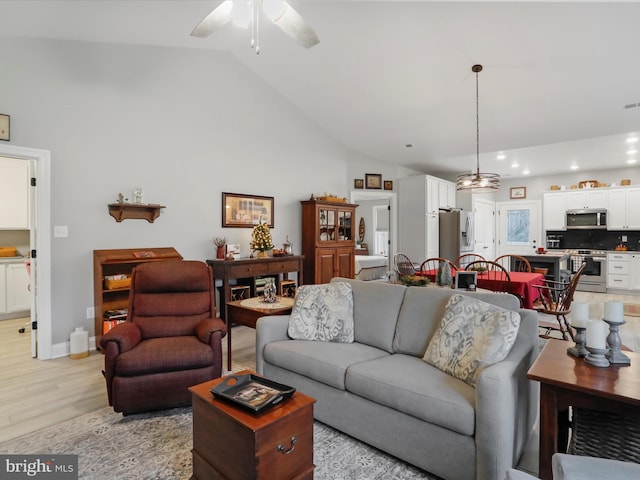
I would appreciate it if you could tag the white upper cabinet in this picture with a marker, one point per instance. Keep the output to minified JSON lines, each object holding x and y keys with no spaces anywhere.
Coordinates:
{"x":554,"y":208}
{"x":586,"y":198}
{"x":624,"y":209}
{"x":14,"y":194}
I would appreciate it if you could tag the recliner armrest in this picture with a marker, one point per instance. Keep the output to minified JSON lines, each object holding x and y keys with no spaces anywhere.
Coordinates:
{"x":208,"y":327}
{"x":127,"y":335}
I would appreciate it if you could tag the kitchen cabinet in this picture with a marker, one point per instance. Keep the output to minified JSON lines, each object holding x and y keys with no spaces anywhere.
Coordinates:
{"x":14,"y":194}
{"x":623,"y":209}
{"x":328,"y":240}
{"x":554,"y":207}
{"x":15,"y":298}
{"x":420,"y":198}
{"x":586,"y":198}
{"x":623,"y":271}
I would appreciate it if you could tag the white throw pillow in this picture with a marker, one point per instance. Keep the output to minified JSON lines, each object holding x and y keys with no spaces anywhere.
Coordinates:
{"x":323,"y":312}
{"x":472,"y":335}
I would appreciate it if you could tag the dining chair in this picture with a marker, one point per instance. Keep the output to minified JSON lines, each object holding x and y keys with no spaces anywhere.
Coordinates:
{"x":555,"y":299}
{"x":403,"y":265}
{"x":430,"y":267}
{"x":465,"y":259}
{"x":514,"y":263}
{"x":494,"y":276}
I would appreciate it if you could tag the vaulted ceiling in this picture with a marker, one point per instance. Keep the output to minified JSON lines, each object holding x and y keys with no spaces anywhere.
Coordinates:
{"x":560,"y":85}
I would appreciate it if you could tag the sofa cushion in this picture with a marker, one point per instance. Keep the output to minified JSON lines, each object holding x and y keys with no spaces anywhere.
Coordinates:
{"x":326,"y":362}
{"x":375,"y":311}
{"x":323,"y":312}
{"x":422,"y":311}
{"x":409,"y":385}
{"x":472,"y":335}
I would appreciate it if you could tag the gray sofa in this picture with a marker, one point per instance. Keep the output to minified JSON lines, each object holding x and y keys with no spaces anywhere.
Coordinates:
{"x":379,"y":390}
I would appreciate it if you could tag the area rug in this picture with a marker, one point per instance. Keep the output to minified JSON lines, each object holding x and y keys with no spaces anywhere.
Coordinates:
{"x":158,"y":446}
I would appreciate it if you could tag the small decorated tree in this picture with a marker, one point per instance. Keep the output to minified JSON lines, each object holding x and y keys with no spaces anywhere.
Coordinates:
{"x":261,"y":239}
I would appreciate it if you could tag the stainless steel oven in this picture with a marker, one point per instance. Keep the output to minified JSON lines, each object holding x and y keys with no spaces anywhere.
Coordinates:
{"x":594,"y":277}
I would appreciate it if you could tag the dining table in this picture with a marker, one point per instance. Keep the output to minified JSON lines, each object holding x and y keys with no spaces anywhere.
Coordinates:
{"x":523,"y":284}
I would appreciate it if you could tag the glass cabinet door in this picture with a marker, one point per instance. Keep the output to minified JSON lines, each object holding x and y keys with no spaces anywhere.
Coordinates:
{"x":327,"y":224}
{"x":344,"y":225}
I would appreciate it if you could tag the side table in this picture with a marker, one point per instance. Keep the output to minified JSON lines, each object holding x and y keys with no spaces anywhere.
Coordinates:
{"x":566,"y":381}
{"x":232,"y":444}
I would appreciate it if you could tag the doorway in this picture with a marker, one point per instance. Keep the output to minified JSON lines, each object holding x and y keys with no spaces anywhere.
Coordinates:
{"x":389,"y":201}
{"x":40,"y":228}
{"x":519,"y":227}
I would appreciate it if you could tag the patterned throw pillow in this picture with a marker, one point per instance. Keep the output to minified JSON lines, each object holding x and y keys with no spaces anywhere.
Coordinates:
{"x":323,"y":312}
{"x":472,"y":335}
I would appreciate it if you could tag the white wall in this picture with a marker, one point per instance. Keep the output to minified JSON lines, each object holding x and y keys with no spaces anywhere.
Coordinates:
{"x":184,"y":124}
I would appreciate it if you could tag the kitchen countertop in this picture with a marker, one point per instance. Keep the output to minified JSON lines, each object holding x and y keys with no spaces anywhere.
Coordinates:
{"x":12,"y":259}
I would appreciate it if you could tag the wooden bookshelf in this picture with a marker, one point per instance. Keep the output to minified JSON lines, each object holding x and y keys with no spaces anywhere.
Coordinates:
{"x":118,"y":262}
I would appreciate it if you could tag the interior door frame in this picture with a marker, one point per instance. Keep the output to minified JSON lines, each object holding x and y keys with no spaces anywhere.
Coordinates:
{"x":40,"y":228}
{"x":392,"y":197}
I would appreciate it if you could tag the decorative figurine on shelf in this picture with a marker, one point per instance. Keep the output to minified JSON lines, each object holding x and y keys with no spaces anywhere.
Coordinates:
{"x":261,"y":240}
{"x":220,"y":243}
{"x":269,"y":292}
{"x":137,"y":195}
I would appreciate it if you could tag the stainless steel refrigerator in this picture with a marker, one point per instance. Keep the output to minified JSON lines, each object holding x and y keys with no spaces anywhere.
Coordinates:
{"x":455,"y":233}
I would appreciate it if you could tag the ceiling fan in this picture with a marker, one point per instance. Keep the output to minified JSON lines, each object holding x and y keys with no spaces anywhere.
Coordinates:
{"x":247,"y":12}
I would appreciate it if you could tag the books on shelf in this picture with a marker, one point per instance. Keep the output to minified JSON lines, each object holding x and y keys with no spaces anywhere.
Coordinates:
{"x":113,"y":318}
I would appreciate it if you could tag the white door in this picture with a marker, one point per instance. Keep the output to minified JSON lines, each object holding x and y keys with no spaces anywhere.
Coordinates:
{"x":519,"y":227}
{"x":484,"y":222}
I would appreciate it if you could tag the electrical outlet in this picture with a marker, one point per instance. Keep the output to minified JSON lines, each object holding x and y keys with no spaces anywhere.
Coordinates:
{"x":91,"y":312}
{"x":624,"y":238}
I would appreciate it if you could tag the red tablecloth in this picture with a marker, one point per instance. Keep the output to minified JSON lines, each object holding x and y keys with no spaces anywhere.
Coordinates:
{"x":522,"y":283}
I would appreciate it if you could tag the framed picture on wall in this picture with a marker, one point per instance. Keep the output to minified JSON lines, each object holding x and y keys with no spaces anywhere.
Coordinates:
{"x":358,"y":183}
{"x":518,"y":192}
{"x":4,"y":127}
{"x":388,"y":185}
{"x":246,"y":211}
{"x":373,"y":180}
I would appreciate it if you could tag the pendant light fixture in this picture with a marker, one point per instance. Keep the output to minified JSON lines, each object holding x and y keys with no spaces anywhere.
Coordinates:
{"x":478,"y":182}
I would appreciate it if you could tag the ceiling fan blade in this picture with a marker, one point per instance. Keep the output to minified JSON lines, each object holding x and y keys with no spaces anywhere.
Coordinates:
{"x":218,"y":18}
{"x":291,"y":23}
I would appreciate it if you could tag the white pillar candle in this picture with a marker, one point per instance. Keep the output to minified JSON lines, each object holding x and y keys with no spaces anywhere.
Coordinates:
{"x":614,"y":311}
{"x":596,"y":334}
{"x":579,"y":314}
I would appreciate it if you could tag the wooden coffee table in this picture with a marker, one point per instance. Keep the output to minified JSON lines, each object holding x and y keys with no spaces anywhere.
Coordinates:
{"x":231,"y":443}
{"x":566,"y":381}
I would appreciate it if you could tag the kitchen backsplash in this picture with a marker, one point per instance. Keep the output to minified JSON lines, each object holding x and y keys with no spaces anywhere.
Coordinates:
{"x":597,"y":239}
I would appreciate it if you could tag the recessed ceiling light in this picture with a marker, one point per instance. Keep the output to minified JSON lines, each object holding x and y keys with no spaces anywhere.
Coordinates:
{"x":525,"y":172}
{"x":632,"y":139}
{"x":573,"y":167}
{"x":501,"y":156}
{"x":632,"y":151}
{"x":409,"y":145}
{"x":515,"y":165}
{"x":631,"y":161}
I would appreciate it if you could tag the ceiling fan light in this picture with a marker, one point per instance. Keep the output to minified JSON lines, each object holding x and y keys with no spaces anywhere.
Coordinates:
{"x":241,"y":14}
{"x":274,"y":9}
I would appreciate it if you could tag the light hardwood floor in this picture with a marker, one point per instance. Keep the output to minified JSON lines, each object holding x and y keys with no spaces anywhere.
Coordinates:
{"x":38,"y":393}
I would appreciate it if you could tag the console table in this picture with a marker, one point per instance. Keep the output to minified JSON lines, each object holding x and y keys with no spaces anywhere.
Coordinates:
{"x":566,"y":381}
{"x":227,"y":270}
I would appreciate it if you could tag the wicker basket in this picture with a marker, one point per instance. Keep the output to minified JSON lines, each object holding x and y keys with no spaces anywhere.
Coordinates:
{"x":605,"y":435}
{"x":120,"y":283}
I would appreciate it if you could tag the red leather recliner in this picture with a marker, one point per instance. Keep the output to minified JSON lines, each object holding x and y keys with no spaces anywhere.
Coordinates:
{"x":171,"y":340}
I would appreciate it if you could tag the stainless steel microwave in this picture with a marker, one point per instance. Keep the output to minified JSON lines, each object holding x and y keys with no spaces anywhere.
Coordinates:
{"x":586,"y":219}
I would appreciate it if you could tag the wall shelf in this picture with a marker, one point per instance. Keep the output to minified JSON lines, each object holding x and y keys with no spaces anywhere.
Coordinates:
{"x":122,"y":211}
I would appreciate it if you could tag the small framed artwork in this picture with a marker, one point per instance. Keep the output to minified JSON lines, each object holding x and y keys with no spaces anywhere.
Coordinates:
{"x":466,"y":280}
{"x":373,"y":180}
{"x":518,"y":192}
{"x":358,"y":183}
{"x":246,"y":211}
{"x":4,"y":127}
{"x":388,"y":185}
